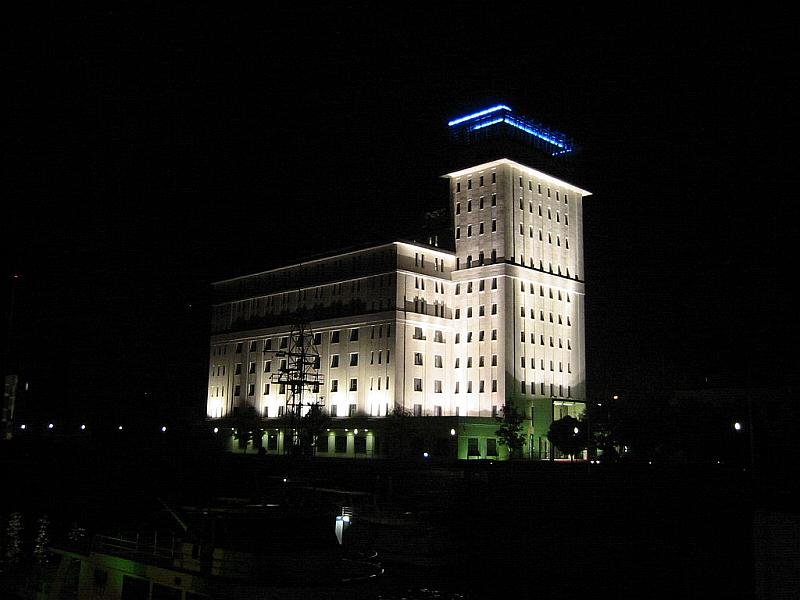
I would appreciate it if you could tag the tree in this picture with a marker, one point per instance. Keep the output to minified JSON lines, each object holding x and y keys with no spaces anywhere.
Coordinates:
{"x":510,"y":431}
{"x":313,"y":425}
{"x":568,"y":435}
{"x":247,"y":427}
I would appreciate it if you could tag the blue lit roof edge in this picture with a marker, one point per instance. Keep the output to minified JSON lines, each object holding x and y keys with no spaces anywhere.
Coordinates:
{"x":478,"y":114}
{"x":528,"y":128}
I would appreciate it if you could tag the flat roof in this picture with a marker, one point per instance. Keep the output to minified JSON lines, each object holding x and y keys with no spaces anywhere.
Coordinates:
{"x":341,"y":252}
{"x":507,"y":161}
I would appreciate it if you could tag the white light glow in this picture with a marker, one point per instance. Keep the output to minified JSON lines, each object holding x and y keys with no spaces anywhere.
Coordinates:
{"x":22,"y":426}
{"x":575,"y":431}
{"x":216,"y":429}
{"x":425,"y":454}
{"x":50,"y":425}
{"x":737,"y":426}
{"x":452,"y":431}
{"x":163,"y":428}
{"x":355,"y":431}
{"x":83,"y":427}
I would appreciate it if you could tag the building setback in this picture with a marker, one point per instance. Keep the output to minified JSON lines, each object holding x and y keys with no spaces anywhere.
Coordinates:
{"x":448,"y":338}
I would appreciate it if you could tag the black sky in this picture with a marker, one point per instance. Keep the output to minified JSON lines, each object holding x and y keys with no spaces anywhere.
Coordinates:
{"x":154,"y":149}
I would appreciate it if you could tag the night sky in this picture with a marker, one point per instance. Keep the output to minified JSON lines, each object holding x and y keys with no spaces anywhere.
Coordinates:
{"x":153,"y":150}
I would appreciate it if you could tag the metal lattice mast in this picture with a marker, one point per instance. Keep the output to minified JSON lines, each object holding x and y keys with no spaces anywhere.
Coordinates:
{"x":299,"y":375}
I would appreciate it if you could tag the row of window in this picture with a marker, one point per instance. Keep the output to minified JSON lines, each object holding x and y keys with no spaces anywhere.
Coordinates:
{"x":354,"y":358}
{"x":482,"y":313}
{"x":480,"y":229}
{"x":335,"y":336}
{"x":481,"y":204}
{"x":530,"y":187}
{"x":419,"y":334}
{"x":531,"y":289}
{"x":419,"y":284}
{"x":469,"y":182}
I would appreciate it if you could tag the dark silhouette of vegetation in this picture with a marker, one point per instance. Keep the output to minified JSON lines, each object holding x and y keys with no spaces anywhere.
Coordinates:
{"x":563,"y":435}
{"x":247,"y":425}
{"x":313,"y":425}
{"x":510,"y":431}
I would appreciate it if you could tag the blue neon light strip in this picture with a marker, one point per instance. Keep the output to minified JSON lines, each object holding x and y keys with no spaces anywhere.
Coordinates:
{"x":521,"y":125}
{"x":527,"y":129}
{"x":478,"y":114}
{"x":485,"y":124}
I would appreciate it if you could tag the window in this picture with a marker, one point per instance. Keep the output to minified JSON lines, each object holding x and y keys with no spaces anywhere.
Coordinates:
{"x":251,"y":389}
{"x":437,"y":411}
{"x":481,"y":181}
{"x":354,"y":385}
{"x":481,"y":310}
{"x":354,"y":335}
{"x":334,"y":361}
{"x":494,"y":360}
{"x":417,"y":384}
{"x":267,"y":345}
{"x":351,"y":410}
{"x":340,"y":444}
{"x":458,"y":186}
{"x":360,"y":444}
{"x":458,"y":335}
{"x":458,"y":363}
{"x":418,"y":410}
{"x":469,"y":184}
{"x":472,"y":447}
{"x":437,"y":361}
{"x":494,"y":177}
{"x":239,"y":348}
{"x":494,"y":309}
{"x":418,"y":334}
{"x":491,"y":443}
{"x":417,"y":358}
{"x":354,"y":359}
{"x":284,"y":342}
{"x":253,"y":346}
{"x":480,"y":228}
{"x":469,"y":312}
{"x":238,"y":369}
{"x":267,"y":366}
{"x":481,"y":335}
{"x":494,"y":334}
{"x":458,"y":233}
{"x":458,"y":208}
{"x":469,"y":205}
{"x":266,"y":393}
{"x":252,"y":368}
{"x":469,"y":231}
{"x":438,"y":336}
{"x":334,"y":388}
{"x":334,"y":337}
{"x":237,"y":390}
{"x":469,"y":336}
{"x":480,"y":202}
{"x":437,"y":388}
{"x":494,"y":199}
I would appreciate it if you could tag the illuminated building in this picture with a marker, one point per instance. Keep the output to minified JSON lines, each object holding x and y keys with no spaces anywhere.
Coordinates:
{"x":447,"y":337}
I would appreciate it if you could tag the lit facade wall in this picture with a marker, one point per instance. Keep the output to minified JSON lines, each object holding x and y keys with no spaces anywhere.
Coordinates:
{"x":432,"y":332}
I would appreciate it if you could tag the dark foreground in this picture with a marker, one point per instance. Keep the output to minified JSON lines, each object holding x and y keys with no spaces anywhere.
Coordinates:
{"x":471,"y":530}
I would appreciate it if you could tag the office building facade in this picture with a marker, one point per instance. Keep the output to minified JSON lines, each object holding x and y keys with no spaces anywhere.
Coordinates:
{"x":447,"y":338}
